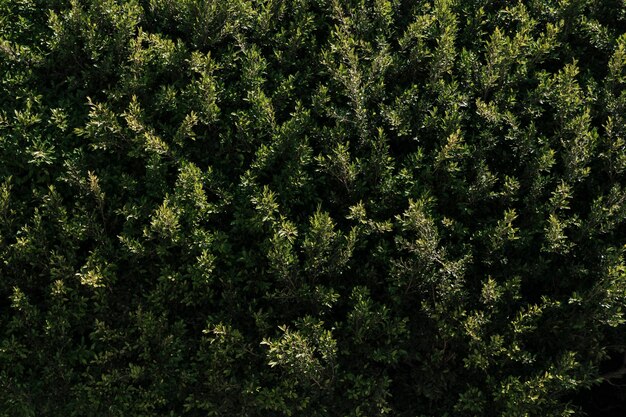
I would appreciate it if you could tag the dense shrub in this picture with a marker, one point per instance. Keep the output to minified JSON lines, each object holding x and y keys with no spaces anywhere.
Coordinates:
{"x":312,"y":207}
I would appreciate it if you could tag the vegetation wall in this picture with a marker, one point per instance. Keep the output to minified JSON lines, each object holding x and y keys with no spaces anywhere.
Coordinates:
{"x":312,"y":207}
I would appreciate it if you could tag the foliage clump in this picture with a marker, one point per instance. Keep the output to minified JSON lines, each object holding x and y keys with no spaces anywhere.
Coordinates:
{"x":312,"y":207}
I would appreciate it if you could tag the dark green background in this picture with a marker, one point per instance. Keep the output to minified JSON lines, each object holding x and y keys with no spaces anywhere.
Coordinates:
{"x":312,"y":208}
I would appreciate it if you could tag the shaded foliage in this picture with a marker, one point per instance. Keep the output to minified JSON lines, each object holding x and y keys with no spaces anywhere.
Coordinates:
{"x":312,"y":207}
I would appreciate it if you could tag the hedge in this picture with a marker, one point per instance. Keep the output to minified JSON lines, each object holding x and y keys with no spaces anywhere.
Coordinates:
{"x":312,"y":208}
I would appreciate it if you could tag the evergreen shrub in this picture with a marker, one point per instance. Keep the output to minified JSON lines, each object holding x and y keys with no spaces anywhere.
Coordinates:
{"x":312,"y":208}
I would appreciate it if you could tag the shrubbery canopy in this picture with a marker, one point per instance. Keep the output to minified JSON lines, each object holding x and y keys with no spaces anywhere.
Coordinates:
{"x":312,"y":207}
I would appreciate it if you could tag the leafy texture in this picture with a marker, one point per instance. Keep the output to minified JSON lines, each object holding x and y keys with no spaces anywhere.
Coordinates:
{"x":312,"y":208}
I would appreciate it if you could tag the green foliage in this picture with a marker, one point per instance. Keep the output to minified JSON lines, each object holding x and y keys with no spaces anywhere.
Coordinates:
{"x":312,"y":208}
